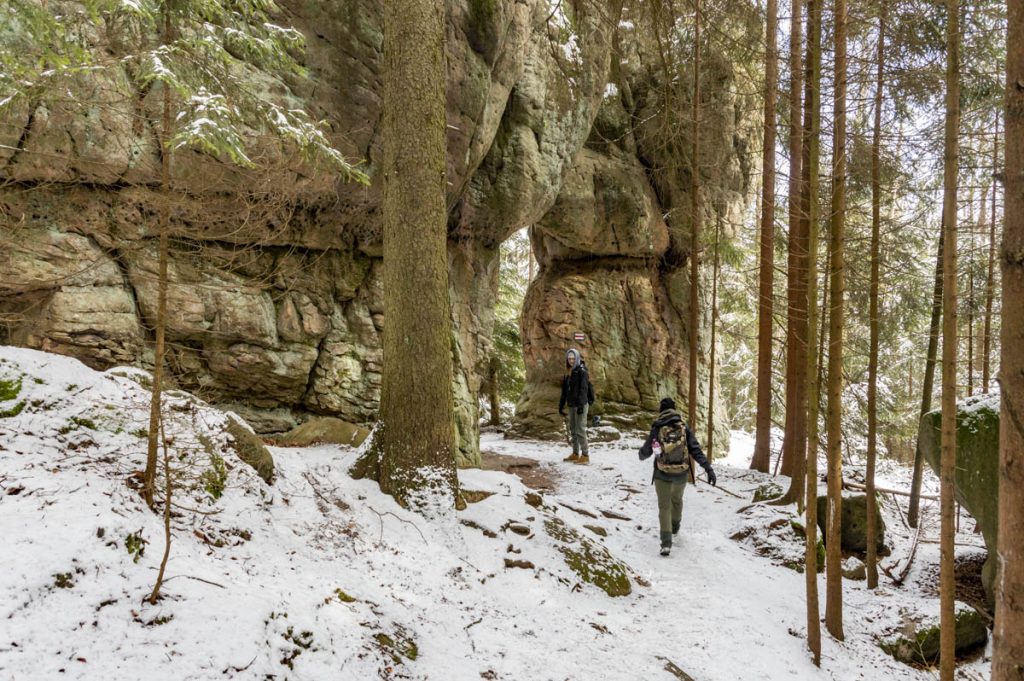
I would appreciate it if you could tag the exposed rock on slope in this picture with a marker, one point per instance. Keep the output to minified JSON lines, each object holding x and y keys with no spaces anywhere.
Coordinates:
{"x":276,"y":307}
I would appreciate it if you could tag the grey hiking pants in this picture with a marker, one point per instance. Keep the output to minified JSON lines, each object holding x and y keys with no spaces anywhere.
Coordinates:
{"x":578,"y":430}
{"x":670,"y":506}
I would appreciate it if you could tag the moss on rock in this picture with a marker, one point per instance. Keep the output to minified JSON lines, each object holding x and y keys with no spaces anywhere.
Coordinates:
{"x":922,"y":647}
{"x":590,"y":561}
{"x":251,"y":450}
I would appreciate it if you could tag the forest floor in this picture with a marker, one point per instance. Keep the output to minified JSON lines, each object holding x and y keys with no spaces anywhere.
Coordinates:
{"x":318,"y":576}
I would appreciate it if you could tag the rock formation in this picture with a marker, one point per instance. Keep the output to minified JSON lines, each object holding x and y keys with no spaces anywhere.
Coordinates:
{"x":275,"y":296}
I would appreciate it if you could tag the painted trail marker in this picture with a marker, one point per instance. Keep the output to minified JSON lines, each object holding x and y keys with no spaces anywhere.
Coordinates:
{"x":579,"y":336}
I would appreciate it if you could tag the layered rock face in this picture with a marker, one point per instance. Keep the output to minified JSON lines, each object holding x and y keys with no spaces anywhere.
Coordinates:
{"x":275,"y":300}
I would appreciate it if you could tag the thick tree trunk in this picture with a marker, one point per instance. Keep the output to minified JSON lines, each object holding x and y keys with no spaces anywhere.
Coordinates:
{"x":834,"y":557}
{"x":765,"y":307}
{"x":695,"y":226}
{"x":947,"y":585}
{"x":812,"y":143}
{"x":871,"y":561}
{"x":928,"y":384}
{"x":1008,"y":657}
{"x":415,"y":440}
{"x":990,"y":283}
{"x":795,"y":433}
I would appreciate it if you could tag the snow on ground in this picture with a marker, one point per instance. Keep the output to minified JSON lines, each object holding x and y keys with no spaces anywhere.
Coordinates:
{"x":321,"y":577}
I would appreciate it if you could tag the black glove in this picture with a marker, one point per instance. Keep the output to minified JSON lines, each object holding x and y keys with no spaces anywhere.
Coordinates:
{"x":562,"y":412}
{"x":579,"y":410}
{"x":712,"y":478}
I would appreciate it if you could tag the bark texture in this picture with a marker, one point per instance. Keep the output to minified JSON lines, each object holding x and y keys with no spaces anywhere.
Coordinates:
{"x":1008,"y":657}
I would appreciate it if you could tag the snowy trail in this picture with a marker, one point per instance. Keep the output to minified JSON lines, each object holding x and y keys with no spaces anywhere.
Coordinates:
{"x":321,"y":577}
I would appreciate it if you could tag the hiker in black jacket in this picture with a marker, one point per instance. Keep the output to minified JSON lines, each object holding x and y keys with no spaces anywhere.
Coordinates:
{"x":578,"y":393}
{"x":673,"y":444}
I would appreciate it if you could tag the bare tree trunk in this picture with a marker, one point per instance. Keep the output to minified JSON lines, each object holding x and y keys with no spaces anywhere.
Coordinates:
{"x":714,"y":324}
{"x":928,"y":384}
{"x":492,"y":385}
{"x":947,"y":585}
{"x":415,"y":440}
{"x":969,"y":267}
{"x":990,"y":283}
{"x":1008,"y":657}
{"x":160,"y":323}
{"x":695,"y":226}
{"x":794,"y":435}
{"x":871,"y":562}
{"x":765,"y":307}
{"x":834,"y":557}
{"x":812,"y":145}
{"x":168,"y":497}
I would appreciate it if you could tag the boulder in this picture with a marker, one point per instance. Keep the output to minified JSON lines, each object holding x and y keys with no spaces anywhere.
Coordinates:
{"x":250,"y":449}
{"x":589,"y":560}
{"x":976,"y":481}
{"x":854,"y":529}
{"x":326,"y":430}
{"x":920,"y":645}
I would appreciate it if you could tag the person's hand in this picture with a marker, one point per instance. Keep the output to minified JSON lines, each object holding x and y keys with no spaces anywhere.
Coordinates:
{"x":579,"y":410}
{"x":561,"y":411}
{"x":712,"y":478}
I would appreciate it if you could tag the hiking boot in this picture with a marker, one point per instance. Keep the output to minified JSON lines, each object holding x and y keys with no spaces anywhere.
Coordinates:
{"x":572,"y":458}
{"x":675,"y":528}
{"x":583,"y":460}
{"x":665,"y":550}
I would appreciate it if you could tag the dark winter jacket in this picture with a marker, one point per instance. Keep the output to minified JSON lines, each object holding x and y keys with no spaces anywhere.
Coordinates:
{"x":577,"y":390}
{"x":666,"y":417}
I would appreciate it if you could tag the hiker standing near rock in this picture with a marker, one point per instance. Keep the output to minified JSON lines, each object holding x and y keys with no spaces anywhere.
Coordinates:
{"x":672,"y":443}
{"x":578,"y":393}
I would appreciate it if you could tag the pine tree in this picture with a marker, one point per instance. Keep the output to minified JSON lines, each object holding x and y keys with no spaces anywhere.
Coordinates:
{"x":990,"y":284}
{"x":1008,"y":656}
{"x":812,"y":146}
{"x":876,"y":218}
{"x":833,"y":558}
{"x":947,"y":584}
{"x":413,"y":451}
{"x":765,"y":302}
{"x":695,"y":226}
{"x":795,"y":431}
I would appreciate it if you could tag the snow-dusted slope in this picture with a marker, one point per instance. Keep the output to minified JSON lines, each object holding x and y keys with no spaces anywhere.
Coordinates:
{"x":321,"y":577}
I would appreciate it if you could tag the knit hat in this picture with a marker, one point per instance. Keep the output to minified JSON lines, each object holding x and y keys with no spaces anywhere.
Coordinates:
{"x":667,"y":403}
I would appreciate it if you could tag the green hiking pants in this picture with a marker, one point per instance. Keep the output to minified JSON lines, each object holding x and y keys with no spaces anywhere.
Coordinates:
{"x":670,"y":506}
{"x":578,"y":430}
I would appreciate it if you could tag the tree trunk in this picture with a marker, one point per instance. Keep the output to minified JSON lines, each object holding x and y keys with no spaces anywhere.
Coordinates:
{"x":492,"y":389}
{"x":812,"y":144}
{"x":695,"y":226}
{"x":168,"y":497}
{"x":160,"y":323}
{"x":714,"y":322}
{"x":1008,"y":657}
{"x":794,"y":435}
{"x":928,"y":383}
{"x":415,"y":440}
{"x":871,"y":562}
{"x":834,"y":557}
{"x":765,"y":307}
{"x":990,"y":283}
{"x":969,"y":268}
{"x":947,"y":585}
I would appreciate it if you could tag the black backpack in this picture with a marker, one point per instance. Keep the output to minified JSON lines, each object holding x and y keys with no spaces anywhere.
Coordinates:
{"x":674,"y":457}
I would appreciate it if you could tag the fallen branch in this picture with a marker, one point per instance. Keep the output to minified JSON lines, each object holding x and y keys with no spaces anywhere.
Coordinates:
{"x":861,"y":488}
{"x":898,"y":580}
{"x":380,"y":516}
{"x":198,"y":579}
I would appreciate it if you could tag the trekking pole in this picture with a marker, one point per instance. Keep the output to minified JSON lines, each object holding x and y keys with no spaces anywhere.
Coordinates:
{"x":722,"y":489}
